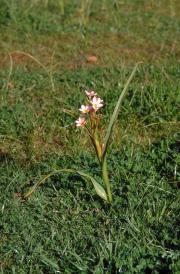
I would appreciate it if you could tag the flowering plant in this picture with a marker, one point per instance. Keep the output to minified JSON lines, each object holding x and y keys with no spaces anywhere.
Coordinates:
{"x":90,"y":121}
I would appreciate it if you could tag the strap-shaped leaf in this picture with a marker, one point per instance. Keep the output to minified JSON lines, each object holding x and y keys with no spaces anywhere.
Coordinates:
{"x":32,"y":189}
{"x":116,"y":112}
{"x":98,"y":188}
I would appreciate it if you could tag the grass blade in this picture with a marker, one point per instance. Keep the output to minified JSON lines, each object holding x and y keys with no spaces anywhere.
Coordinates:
{"x":116,"y":112}
{"x":49,"y":262}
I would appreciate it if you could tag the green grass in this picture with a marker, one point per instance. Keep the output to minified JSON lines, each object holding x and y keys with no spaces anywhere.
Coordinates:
{"x":64,"y":227}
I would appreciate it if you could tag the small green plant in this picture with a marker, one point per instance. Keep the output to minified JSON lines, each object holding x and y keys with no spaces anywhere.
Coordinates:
{"x":90,"y":121}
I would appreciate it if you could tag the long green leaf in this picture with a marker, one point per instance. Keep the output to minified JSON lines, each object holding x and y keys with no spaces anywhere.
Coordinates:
{"x":98,"y":188}
{"x":116,"y":112}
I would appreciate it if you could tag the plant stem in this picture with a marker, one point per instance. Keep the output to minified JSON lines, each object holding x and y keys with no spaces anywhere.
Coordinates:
{"x":98,"y":149}
{"x":106,"y":180}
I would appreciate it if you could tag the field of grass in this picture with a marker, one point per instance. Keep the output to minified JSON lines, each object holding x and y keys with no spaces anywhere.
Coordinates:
{"x":45,"y":66}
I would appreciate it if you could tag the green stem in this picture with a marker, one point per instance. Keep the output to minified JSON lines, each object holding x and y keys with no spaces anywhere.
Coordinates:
{"x":106,"y":180}
{"x":98,"y":149}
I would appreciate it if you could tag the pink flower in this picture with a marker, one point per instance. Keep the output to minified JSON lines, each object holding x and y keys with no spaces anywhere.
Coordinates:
{"x":96,"y":103}
{"x":85,"y":109}
{"x":80,"y":122}
{"x":90,"y":93}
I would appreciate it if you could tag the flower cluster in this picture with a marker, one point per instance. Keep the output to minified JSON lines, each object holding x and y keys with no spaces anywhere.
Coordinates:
{"x":94,"y":104}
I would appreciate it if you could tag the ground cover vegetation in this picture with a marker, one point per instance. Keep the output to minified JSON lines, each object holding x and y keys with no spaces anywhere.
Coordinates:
{"x":50,"y":52}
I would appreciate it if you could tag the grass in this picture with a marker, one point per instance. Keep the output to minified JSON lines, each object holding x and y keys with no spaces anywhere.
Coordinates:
{"x":64,"y":227}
